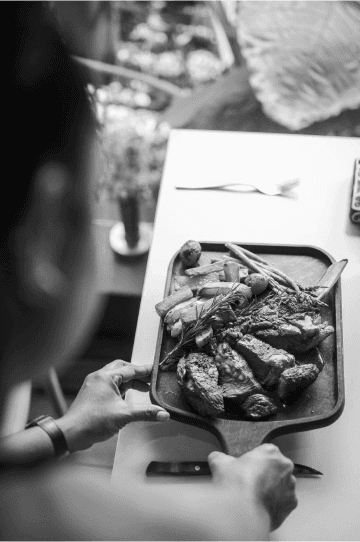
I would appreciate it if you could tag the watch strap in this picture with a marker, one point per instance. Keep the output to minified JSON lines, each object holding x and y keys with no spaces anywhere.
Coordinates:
{"x":49,"y":425}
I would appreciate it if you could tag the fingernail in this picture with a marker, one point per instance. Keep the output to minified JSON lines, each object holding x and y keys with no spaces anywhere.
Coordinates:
{"x":162,"y":416}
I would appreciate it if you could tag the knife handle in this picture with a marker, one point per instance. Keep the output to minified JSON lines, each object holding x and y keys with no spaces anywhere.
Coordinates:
{"x":180,"y":468}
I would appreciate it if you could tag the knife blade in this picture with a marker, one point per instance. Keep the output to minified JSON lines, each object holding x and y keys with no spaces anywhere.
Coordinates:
{"x":198,"y":468}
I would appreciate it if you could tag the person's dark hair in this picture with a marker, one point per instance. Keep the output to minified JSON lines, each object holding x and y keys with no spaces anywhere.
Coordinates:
{"x":44,"y":99}
{"x":45,"y":112}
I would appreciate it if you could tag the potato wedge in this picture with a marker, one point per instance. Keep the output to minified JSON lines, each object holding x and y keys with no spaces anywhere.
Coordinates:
{"x":192,"y":313}
{"x":215,"y":288}
{"x":205,"y":269}
{"x":194,"y":283}
{"x":174,"y":314}
{"x":172,"y":300}
{"x":232,"y":271}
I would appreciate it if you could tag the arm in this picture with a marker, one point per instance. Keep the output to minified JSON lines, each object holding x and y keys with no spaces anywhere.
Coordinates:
{"x":247,"y":498}
{"x":97,"y":413}
{"x":29,"y":446}
{"x":75,"y":503}
{"x":154,"y":512}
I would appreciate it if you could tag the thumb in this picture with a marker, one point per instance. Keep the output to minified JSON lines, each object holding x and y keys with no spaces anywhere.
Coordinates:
{"x":150,"y":413}
{"x":218,"y":462}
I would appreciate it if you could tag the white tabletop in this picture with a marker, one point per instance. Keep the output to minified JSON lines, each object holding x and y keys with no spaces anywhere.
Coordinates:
{"x":318,"y":215}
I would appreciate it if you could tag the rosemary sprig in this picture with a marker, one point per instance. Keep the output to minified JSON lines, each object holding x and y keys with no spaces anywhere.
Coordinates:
{"x":203,"y":320}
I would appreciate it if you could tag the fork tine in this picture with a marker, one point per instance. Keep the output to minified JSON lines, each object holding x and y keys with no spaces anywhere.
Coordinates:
{"x":288,"y":185}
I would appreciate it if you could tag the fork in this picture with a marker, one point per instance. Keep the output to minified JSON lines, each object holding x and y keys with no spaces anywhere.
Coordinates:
{"x":270,"y":189}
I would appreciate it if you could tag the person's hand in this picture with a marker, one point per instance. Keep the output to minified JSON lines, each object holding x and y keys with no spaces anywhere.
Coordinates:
{"x":99,"y":410}
{"x":265,"y":474}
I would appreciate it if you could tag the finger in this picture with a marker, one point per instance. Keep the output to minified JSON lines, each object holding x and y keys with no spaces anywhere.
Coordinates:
{"x":125,"y":373}
{"x":269,"y":447}
{"x":116,"y":364}
{"x":146,"y":378}
{"x":151,"y":413}
{"x":140,"y":385}
{"x":292,"y":482}
{"x":143,"y":372}
{"x":124,"y":388}
{"x":216,"y":460}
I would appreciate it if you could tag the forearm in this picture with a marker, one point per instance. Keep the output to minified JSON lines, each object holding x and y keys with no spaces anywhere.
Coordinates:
{"x":29,"y":446}
{"x":133,"y":512}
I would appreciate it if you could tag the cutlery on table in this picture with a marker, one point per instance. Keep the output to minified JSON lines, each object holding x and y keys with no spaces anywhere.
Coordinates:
{"x":265,"y":187}
{"x":185,"y":468}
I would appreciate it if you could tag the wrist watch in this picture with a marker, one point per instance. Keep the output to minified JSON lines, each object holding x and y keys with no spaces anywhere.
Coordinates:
{"x":48,"y":424}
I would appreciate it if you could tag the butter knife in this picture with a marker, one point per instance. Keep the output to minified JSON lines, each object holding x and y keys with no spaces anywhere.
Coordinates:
{"x":186,"y":468}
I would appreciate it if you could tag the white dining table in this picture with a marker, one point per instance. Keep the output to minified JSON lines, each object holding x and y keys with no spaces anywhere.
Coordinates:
{"x":317,"y":214}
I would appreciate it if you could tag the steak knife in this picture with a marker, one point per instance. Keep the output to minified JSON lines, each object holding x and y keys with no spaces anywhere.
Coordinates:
{"x":186,"y":468}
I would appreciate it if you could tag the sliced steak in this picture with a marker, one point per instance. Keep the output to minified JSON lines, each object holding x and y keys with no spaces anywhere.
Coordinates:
{"x":266,"y":362}
{"x":298,"y":334}
{"x":288,"y":320}
{"x":235,"y":376}
{"x":258,"y":406}
{"x":294,"y":380}
{"x":198,"y":376}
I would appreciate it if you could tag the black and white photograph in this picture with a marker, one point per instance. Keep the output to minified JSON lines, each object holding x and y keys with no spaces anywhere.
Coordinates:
{"x":180,"y":270}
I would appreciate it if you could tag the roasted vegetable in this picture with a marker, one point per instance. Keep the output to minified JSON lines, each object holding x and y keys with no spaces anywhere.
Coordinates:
{"x":204,"y":269}
{"x":232,"y":271}
{"x":176,"y":329}
{"x":172,"y":300}
{"x":173,"y":315}
{"x":217,"y":288}
{"x":190,"y":253}
{"x":194,"y":282}
{"x":204,"y":337}
{"x":192,"y":313}
{"x":257,"y":282}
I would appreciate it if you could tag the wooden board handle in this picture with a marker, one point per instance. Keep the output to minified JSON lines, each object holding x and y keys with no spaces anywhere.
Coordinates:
{"x":237,"y":438}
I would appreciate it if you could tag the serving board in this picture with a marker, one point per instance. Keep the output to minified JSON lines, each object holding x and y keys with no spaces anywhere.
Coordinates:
{"x":318,"y":406}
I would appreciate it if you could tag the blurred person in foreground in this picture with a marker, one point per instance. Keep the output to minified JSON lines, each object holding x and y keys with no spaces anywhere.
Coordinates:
{"x":49,"y":305}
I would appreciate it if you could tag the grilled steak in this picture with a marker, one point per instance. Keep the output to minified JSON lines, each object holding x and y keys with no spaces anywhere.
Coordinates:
{"x":235,"y":376}
{"x":258,"y":406}
{"x":286,"y":320}
{"x":298,"y":334}
{"x":266,"y":362}
{"x":294,"y":380}
{"x":198,"y":376}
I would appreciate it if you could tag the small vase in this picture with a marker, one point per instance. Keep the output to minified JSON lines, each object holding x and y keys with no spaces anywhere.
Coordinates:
{"x":129,"y":211}
{"x":129,"y":237}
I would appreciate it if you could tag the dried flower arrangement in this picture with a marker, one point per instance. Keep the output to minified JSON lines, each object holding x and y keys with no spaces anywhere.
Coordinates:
{"x":133,"y":144}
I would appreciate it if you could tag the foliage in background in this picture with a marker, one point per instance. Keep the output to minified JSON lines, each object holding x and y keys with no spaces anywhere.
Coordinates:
{"x":173,"y":41}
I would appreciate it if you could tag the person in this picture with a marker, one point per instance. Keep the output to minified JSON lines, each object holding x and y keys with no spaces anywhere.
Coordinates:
{"x":50,"y":306}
